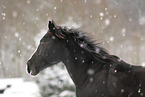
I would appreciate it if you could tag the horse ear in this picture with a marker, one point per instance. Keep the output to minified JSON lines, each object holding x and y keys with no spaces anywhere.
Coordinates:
{"x":52,"y":26}
{"x":56,"y":30}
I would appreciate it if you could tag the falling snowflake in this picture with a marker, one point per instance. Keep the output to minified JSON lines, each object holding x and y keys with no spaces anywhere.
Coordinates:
{"x":139,"y":90}
{"x":143,"y":64}
{"x":90,"y":71}
{"x":142,"y":20}
{"x":111,"y":38}
{"x":55,"y":8}
{"x":81,"y":45}
{"x":107,"y":22}
{"x":14,"y":14}
{"x":91,"y":79}
{"x":101,"y":14}
{"x":115,"y":71}
{"x":123,"y":31}
{"x":28,"y":1}
{"x":16,"y":34}
{"x":53,"y":37}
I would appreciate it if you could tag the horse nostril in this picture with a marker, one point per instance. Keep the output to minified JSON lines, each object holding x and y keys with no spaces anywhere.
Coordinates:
{"x":28,"y":69}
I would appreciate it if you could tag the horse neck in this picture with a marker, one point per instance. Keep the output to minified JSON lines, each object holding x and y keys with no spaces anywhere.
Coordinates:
{"x":78,"y":65}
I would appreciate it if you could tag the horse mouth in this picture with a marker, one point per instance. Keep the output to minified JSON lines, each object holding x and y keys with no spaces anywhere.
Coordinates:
{"x":32,"y":72}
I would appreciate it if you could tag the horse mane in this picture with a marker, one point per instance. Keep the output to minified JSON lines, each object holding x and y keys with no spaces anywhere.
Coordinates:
{"x":83,"y":41}
{"x":78,"y":39}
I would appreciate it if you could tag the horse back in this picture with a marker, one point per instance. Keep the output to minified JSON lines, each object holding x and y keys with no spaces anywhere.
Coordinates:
{"x":126,"y":80}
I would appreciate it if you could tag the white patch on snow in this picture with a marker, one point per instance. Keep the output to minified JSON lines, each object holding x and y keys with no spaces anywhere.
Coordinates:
{"x":66,"y":93}
{"x":19,"y":88}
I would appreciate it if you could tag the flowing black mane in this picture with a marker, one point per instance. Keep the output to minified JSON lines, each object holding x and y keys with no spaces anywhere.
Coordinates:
{"x":79,"y":39}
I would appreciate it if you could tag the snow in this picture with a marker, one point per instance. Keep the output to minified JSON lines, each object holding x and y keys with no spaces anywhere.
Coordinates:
{"x":19,"y":88}
{"x":91,"y":79}
{"x":19,"y":51}
{"x":81,"y":45}
{"x":3,"y":14}
{"x":55,"y":8}
{"x":61,"y":0}
{"x":142,"y":20}
{"x":115,"y":16}
{"x":28,"y":1}
{"x":143,"y":64}
{"x":107,"y":22}
{"x":16,"y":34}
{"x":71,"y":24}
{"x":123,"y":31}
{"x":111,"y":38}
{"x":122,"y":90}
{"x":101,"y":14}
{"x":66,"y":93}
{"x":83,"y":61}
{"x":85,"y":1}
{"x":98,"y":1}
{"x":115,"y":71}
{"x":53,"y":37}
{"x":139,"y":90}
{"x":90,"y":71}
{"x":56,"y":82}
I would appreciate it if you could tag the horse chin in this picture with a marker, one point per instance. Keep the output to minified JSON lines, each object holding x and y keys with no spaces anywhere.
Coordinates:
{"x":32,"y":72}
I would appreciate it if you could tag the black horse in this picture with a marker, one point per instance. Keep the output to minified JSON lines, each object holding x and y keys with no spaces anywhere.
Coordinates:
{"x":93,"y":70}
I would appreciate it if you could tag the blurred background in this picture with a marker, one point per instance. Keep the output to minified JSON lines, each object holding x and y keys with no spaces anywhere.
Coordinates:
{"x":118,"y":24}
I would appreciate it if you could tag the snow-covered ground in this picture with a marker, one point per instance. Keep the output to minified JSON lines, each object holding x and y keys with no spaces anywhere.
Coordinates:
{"x":19,"y":88}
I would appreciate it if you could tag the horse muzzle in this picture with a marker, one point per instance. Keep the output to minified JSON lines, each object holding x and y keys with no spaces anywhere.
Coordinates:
{"x":31,"y":70}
